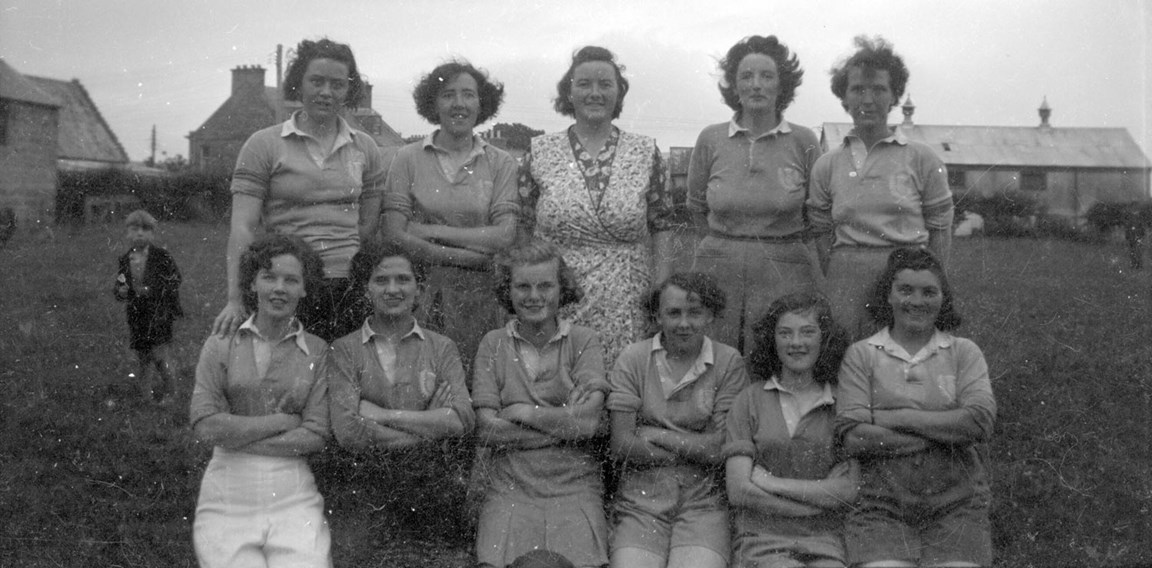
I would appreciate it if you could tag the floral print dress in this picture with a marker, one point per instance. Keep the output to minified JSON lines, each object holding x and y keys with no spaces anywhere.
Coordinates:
{"x":601,"y":211}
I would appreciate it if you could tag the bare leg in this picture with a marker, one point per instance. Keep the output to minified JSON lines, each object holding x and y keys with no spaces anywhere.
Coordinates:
{"x":695,"y":557}
{"x":630,"y":557}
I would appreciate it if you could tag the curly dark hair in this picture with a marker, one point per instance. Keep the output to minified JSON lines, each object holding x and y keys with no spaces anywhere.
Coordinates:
{"x":526,"y":254}
{"x":259,"y":257}
{"x":787,"y":66}
{"x":701,"y":284}
{"x":306,"y":51}
{"x":491,"y":93}
{"x":911,"y":258}
{"x":370,"y":255}
{"x":764,"y":362}
{"x":584,"y":55}
{"x":876,"y":54}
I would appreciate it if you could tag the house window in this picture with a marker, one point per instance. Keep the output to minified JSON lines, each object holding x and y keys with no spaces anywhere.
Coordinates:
{"x":957,"y":179}
{"x":205,"y":151}
{"x":1033,"y":180}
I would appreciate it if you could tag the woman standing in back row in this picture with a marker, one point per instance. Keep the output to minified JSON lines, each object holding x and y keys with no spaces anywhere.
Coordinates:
{"x":451,"y":202}
{"x":747,"y":182}
{"x":875,"y":190}
{"x":599,"y":194}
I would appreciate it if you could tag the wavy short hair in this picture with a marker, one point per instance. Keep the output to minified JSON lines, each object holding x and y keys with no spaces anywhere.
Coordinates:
{"x":876,"y":54}
{"x":526,"y":254}
{"x":325,"y":48}
{"x":259,"y":257}
{"x":490,"y":93}
{"x":702,"y":284}
{"x":764,"y":362}
{"x":588,"y":54}
{"x":787,"y":67}
{"x":911,"y":258}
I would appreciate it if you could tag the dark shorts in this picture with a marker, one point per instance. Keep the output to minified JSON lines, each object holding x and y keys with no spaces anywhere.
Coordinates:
{"x":148,"y":326}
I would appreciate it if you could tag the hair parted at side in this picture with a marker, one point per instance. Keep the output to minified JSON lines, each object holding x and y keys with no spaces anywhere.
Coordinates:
{"x":587,"y":54}
{"x":308,"y":50}
{"x":764,"y":362}
{"x":529,"y":253}
{"x":911,"y":258}
{"x":700,"y":284}
{"x":490,"y":93}
{"x":787,"y":68}
{"x":259,"y":257}
{"x":876,"y":54}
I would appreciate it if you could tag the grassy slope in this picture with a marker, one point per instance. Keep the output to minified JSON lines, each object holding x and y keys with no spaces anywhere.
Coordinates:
{"x":88,"y":476}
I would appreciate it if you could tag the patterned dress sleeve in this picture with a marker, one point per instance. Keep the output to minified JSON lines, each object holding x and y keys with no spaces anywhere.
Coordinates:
{"x":529,"y":196}
{"x":661,"y":207}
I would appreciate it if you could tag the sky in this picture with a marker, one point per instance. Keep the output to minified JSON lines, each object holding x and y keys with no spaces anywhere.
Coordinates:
{"x":976,"y":62}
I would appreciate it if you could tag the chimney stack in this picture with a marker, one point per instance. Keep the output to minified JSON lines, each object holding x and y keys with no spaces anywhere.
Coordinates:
{"x":1045,"y":112}
{"x":247,"y":78}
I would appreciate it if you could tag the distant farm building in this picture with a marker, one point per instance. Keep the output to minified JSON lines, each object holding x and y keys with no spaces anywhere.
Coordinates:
{"x":1067,"y":170}
{"x":47,"y":125}
{"x":214,"y":146}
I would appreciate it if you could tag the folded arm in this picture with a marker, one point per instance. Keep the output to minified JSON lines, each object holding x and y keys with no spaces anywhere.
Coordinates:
{"x":835,"y":491}
{"x":742,"y":492}
{"x":395,"y":230}
{"x":578,"y":419}
{"x":628,"y":446}
{"x":491,"y":430}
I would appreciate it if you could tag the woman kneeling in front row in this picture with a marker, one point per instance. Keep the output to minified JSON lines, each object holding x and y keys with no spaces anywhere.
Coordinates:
{"x":260,"y":399}
{"x":669,"y":401}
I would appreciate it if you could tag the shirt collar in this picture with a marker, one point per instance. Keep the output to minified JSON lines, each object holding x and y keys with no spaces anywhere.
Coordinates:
{"x":478,"y":145}
{"x":826,"y":398}
{"x":704,"y":358}
{"x":296,"y":334}
{"x":734,"y":128}
{"x":367,"y":333}
{"x":895,"y":136}
{"x":512,"y":328}
{"x":343,"y":131}
{"x":883,"y":340}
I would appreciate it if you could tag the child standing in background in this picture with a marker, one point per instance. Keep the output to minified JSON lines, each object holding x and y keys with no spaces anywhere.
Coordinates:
{"x":149,"y":281}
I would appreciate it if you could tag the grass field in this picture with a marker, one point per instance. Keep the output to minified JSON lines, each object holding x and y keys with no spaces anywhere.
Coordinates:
{"x":89,"y":476}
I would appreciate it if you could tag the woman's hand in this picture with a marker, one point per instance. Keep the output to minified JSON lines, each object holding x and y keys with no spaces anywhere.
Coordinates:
{"x":229,"y":319}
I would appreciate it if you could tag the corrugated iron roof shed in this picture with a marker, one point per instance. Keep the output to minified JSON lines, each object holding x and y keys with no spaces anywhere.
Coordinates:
{"x":84,"y":135}
{"x":1020,"y":146}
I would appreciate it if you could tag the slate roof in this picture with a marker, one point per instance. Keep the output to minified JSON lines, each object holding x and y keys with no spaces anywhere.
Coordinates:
{"x":1020,"y":146}
{"x":14,"y":86}
{"x":84,"y":135}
